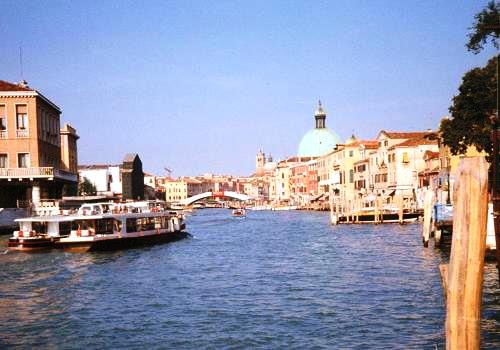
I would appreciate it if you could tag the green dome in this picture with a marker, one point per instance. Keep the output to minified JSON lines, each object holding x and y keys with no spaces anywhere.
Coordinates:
{"x":318,"y":142}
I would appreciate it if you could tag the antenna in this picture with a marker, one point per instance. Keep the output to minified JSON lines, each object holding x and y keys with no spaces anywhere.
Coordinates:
{"x":21,"y":61}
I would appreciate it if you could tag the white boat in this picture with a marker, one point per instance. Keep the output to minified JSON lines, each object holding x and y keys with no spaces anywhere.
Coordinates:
{"x":99,"y":230}
{"x":260,"y":207}
{"x":287,"y":207}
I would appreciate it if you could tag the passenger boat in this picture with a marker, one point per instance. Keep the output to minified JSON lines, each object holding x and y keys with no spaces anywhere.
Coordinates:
{"x":239,"y":212}
{"x":117,"y":227}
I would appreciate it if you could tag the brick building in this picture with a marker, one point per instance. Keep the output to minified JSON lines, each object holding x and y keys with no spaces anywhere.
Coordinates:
{"x":37,"y":159}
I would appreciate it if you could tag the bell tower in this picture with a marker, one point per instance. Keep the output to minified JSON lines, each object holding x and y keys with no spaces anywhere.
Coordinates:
{"x":260,"y":161}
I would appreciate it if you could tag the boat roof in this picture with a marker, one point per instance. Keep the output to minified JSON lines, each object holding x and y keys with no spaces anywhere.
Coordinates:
{"x":66,"y":218}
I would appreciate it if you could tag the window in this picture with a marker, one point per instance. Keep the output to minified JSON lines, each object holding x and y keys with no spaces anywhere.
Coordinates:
{"x":351,"y":153}
{"x":405,"y":157}
{"x":3,"y":161}
{"x":351,"y":176}
{"x":3,"y":118}
{"x":23,"y":160}
{"x":21,"y":117}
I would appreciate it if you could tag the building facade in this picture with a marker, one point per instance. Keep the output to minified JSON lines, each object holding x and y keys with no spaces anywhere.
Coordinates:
{"x":37,"y":159}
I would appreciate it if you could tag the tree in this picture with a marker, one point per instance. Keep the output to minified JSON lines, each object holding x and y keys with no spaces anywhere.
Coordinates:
{"x":472,"y":112}
{"x":486,"y":27}
{"x":86,"y":187}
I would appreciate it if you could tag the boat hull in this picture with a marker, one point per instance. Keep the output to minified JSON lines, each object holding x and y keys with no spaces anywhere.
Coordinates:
{"x":120,"y":243}
{"x":28,"y":244}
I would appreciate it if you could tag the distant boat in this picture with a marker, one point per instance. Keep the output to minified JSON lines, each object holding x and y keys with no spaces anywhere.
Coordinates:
{"x":287,"y":207}
{"x":239,"y":212}
{"x":260,"y":207}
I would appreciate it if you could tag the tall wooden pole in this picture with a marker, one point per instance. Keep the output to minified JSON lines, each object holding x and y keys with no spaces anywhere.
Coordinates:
{"x":428,"y":207}
{"x":495,"y":171}
{"x":465,"y":272}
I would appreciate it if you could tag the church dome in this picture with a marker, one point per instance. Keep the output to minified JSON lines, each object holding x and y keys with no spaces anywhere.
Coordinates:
{"x":320,"y":140}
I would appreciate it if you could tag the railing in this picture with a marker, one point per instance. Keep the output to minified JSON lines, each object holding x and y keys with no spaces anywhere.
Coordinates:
{"x":39,"y":172}
{"x":22,"y":133}
{"x":3,"y":134}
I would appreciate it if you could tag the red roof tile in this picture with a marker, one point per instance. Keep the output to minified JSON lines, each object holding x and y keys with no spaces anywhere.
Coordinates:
{"x":406,"y":135}
{"x":6,"y":86}
{"x":431,"y":155}
{"x":415,"y":142}
{"x":369,"y":144}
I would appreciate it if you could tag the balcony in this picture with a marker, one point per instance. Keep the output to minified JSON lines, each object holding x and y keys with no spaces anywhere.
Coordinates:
{"x":48,"y":173}
{"x":22,"y":133}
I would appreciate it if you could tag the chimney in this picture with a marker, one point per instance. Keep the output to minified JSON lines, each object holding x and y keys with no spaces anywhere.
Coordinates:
{"x":23,"y":83}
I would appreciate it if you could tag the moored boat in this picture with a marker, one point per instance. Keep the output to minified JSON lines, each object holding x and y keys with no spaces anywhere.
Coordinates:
{"x":387,"y":216}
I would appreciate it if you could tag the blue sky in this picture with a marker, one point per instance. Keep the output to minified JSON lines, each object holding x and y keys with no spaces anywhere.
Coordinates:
{"x":201,"y":86}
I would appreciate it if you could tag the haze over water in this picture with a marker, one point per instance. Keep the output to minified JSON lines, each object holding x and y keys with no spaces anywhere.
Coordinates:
{"x":272,"y":280}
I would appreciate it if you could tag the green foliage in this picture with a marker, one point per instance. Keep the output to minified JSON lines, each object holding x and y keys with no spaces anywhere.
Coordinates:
{"x":86,"y":188}
{"x":472,"y":112}
{"x":486,"y":26}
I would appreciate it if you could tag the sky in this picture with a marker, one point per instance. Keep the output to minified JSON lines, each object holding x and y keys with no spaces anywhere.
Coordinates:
{"x":202,"y":86}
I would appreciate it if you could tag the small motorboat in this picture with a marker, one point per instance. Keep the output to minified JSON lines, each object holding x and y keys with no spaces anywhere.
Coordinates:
{"x":239,"y":212}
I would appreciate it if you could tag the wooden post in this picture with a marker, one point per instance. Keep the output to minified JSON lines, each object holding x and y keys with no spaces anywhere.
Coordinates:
{"x":357,"y":209}
{"x":376,"y":210}
{"x":443,"y":269}
{"x":426,"y":227}
{"x":334,"y":216}
{"x":400,"y":211}
{"x":437,"y":237}
{"x":465,"y":275}
{"x":348,"y":212}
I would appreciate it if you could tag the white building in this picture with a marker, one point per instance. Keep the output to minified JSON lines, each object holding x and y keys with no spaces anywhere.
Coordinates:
{"x":106,"y":178}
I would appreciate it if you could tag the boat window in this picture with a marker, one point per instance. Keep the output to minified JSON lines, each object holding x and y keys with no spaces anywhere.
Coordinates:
{"x":64,"y":228}
{"x":82,"y":225}
{"x":117,"y":225}
{"x":104,"y":226}
{"x":39,"y":227}
{"x":149,"y":224}
{"x":131,"y":225}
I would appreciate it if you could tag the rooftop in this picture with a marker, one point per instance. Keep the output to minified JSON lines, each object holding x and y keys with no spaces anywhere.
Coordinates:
{"x":415,"y":142}
{"x":96,"y":166}
{"x":22,"y":86}
{"x":405,"y":134}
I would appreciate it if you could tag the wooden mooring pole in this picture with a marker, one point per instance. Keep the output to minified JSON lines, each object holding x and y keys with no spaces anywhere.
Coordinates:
{"x":400,"y":209}
{"x":426,"y":226}
{"x":465,"y":271}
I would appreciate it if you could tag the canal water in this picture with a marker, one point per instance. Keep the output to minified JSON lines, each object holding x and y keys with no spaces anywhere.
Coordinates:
{"x":274,"y":280}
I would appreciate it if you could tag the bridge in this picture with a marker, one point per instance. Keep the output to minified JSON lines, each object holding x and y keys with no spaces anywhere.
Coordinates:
{"x":220,"y":194}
